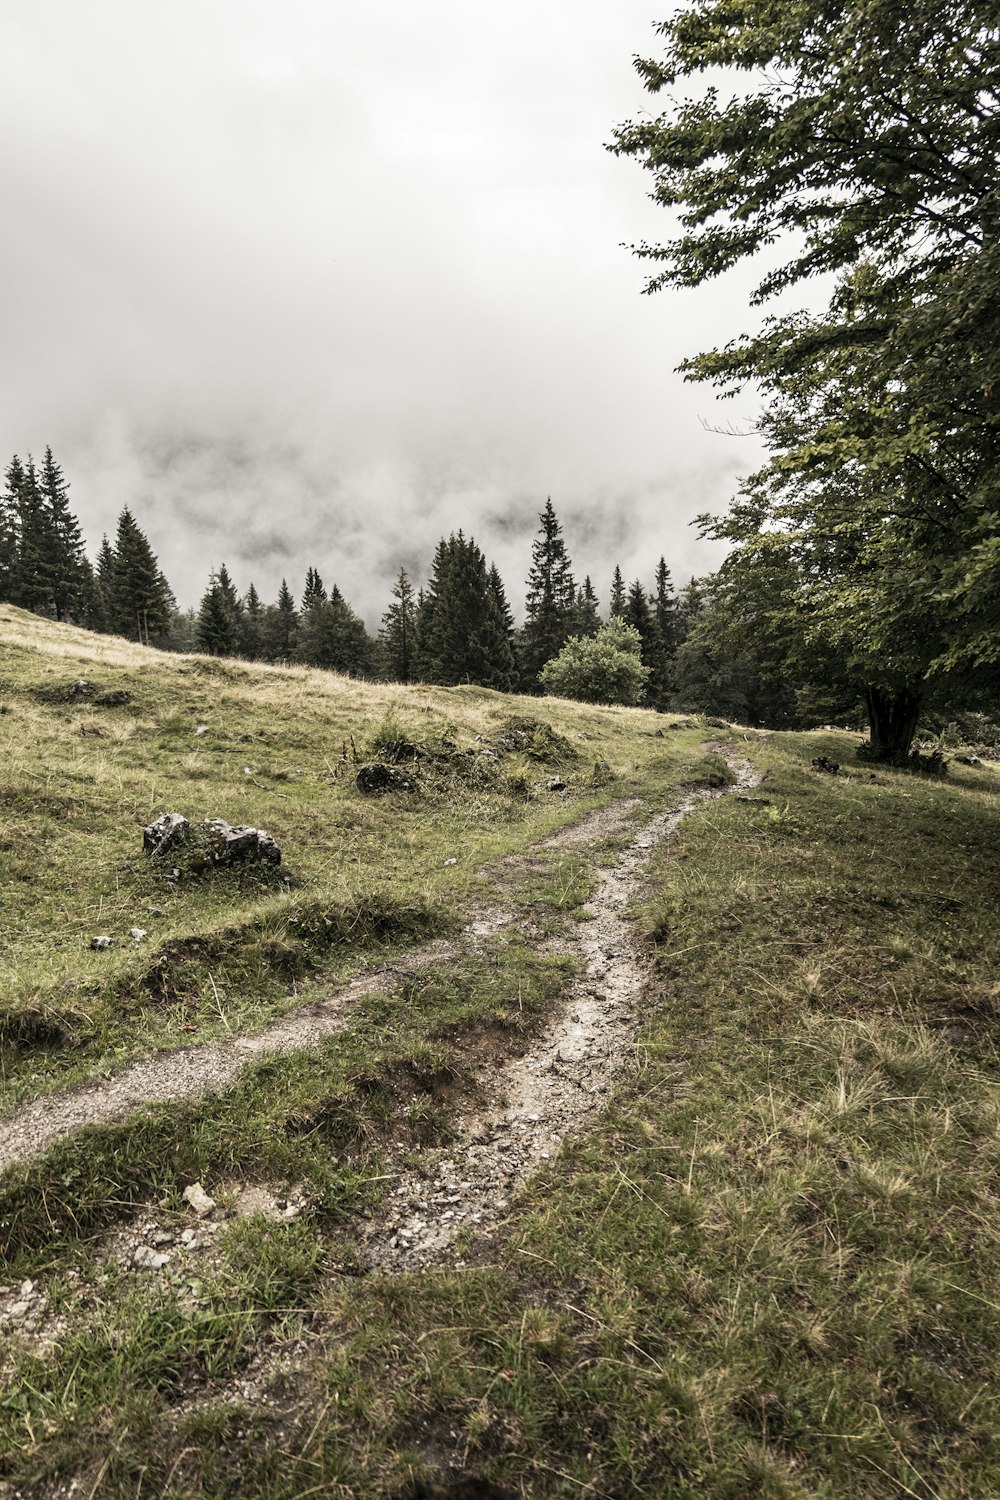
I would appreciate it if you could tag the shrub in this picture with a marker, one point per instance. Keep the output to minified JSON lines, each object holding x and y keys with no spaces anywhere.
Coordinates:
{"x":604,"y":668}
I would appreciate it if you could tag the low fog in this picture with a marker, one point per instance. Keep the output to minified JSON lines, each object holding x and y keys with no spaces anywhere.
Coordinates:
{"x":312,"y":283}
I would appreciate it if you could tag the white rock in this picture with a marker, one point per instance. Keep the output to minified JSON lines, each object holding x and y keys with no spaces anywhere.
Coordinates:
{"x":198,"y":1199}
{"x":100,"y":942}
{"x":137,"y":933}
{"x":201,"y":729}
{"x":148,"y":1259}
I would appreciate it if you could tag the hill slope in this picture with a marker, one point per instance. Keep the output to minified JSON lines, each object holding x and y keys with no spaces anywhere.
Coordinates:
{"x":735,"y":1230}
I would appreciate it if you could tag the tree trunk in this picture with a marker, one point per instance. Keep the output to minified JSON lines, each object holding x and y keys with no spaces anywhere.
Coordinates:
{"x":892,"y":717}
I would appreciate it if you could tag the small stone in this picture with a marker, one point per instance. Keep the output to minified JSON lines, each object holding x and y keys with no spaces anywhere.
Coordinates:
{"x":201,"y":729}
{"x":555,"y":784}
{"x":137,"y":933}
{"x":451,"y":861}
{"x":157,"y":911}
{"x":199,"y":1200}
{"x":162,"y":1237}
{"x":100,"y":942}
{"x":19,"y":1310}
{"x":148,"y":1259}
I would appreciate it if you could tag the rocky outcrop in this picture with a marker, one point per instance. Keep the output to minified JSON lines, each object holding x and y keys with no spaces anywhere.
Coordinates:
{"x":160,"y":837}
{"x":229,"y":845}
{"x":223,"y":843}
{"x":376,"y":779}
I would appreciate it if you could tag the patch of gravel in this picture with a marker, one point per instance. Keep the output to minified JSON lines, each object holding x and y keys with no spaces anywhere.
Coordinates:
{"x":599,"y":824}
{"x":171,"y":1076}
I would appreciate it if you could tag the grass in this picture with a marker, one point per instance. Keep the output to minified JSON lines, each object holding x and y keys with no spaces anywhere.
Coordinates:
{"x":279,"y":751}
{"x":770,"y":1270}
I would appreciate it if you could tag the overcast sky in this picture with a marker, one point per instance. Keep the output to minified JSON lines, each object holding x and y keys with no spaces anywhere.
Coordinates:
{"x":318,"y":281}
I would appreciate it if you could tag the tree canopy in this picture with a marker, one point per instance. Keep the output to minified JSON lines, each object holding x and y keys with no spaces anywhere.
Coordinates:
{"x":858,"y":139}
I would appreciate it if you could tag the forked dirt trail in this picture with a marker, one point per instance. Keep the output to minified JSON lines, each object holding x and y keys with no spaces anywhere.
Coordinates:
{"x":544,"y":1095}
{"x":549,"y":1092}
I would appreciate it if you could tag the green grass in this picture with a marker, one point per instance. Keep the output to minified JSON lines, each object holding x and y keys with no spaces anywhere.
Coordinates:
{"x":224,"y":948}
{"x":770,"y":1269}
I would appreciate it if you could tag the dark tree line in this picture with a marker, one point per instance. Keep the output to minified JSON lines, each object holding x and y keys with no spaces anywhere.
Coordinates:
{"x":44,"y":567}
{"x":458,"y":628}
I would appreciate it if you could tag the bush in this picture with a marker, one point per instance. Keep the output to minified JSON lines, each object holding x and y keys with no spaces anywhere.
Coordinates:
{"x":604,"y":668}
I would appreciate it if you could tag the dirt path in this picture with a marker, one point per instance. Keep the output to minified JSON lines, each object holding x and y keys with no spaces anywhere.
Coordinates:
{"x":177,"y":1074}
{"x":548,"y":1093}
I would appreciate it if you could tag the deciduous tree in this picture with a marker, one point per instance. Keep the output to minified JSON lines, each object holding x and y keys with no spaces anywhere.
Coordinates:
{"x":861,"y":141}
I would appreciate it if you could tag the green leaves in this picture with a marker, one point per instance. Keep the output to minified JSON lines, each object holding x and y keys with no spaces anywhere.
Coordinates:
{"x":864,"y":141}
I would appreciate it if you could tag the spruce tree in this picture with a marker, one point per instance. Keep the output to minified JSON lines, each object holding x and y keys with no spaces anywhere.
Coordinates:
{"x":141,"y":601}
{"x":37,"y":546}
{"x":667,"y":617}
{"x":233,"y":603}
{"x":9,"y":530}
{"x":104,"y":585}
{"x":640,"y":616}
{"x":396,"y":638}
{"x":586,"y":615}
{"x":68,"y":571}
{"x":550,"y":600}
{"x":279,"y":626}
{"x":462,"y":635}
{"x":332,"y":636}
{"x":616,"y":604}
{"x":251,"y":616}
{"x":314,"y":591}
{"x":217,"y":628}
{"x":504,"y":614}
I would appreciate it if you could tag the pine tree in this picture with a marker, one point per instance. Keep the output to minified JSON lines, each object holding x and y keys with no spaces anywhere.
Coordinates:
{"x":217,"y":628}
{"x":251,"y":617}
{"x":396,"y":638}
{"x":332,"y":636}
{"x":550,"y":600}
{"x":506,"y":618}
{"x":640,"y":616}
{"x":68,"y":571}
{"x":616,"y":604}
{"x":586,"y":616}
{"x":279,"y":626}
{"x":667,"y":616}
{"x":141,"y":601}
{"x":9,"y":530}
{"x":314,"y":592}
{"x":104,"y":572}
{"x":37,"y":546}
{"x":461,"y":632}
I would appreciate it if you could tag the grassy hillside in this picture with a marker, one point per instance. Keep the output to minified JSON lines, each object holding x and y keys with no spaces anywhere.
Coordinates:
{"x":769,"y":1268}
{"x":271,"y":747}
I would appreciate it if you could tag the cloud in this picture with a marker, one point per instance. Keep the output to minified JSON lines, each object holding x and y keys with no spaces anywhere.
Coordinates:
{"x":313,"y":285}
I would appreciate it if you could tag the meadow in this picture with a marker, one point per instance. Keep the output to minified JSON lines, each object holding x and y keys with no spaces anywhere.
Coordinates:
{"x":767,"y":1265}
